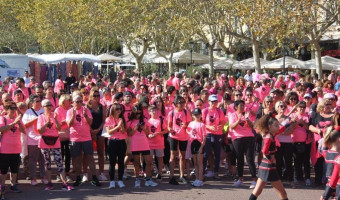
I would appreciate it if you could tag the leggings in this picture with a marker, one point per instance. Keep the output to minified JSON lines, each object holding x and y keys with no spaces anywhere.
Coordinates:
{"x":166,"y":157}
{"x":299,"y":152}
{"x":116,"y":149}
{"x":284,"y":160}
{"x":66,"y":155}
{"x":245,"y":146}
{"x":213,"y":142}
{"x":306,"y":163}
{"x":57,"y":158}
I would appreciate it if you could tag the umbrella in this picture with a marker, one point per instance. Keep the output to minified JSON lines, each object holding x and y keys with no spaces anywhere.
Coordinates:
{"x":248,"y":63}
{"x":221,"y":64}
{"x":107,"y":57}
{"x":289,"y":63}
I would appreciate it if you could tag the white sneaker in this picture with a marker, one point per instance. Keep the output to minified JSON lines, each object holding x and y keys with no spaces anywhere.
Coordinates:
{"x":58,"y":179}
{"x":137,"y":183}
{"x":102,"y":177}
{"x":308,"y":182}
{"x":112,"y":184}
{"x":121,"y":184}
{"x":85,"y":179}
{"x":209,"y":174}
{"x":44,"y":181}
{"x":252,"y":185}
{"x":238,"y":183}
{"x":34,"y":182}
{"x":150,"y":183}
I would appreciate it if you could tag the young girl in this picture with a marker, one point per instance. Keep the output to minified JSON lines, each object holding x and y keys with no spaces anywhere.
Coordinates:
{"x":197,"y":135}
{"x":331,"y":141}
{"x":139,"y":131}
{"x":267,"y":169}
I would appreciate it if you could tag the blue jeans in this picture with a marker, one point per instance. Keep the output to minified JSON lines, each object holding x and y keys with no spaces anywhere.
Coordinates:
{"x":215,"y":142}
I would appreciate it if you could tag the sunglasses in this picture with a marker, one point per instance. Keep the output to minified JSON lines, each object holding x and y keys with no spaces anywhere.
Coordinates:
{"x":118,"y":108}
{"x":282,"y":106}
{"x":238,"y":95}
{"x":249,"y":95}
{"x":213,"y":101}
{"x":48,"y":105}
{"x":37,"y":101}
{"x":96,"y":95}
{"x":78,"y":102}
{"x":307,"y":98}
{"x":293,"y":99}
{"x":13,"y":108}
{"x":269,"y":101}
{"x":199,"y":105}
{"x":302,"y":107}
{"x":85,"y":93}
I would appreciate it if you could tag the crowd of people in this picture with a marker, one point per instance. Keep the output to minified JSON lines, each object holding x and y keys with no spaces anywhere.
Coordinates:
{"x":284,"y":126}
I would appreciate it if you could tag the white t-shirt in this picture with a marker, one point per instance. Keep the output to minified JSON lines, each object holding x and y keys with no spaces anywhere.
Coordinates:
{"x":32,"y":136}
{"x":27,"y":81}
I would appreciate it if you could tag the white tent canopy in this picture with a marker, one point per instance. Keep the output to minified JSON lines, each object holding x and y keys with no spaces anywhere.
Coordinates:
{"x":57,"y":58}
{"x":289,"y":63}
{"x":223,"y":64}
{"x":185,"y":57}
{"x":328,"y":63}
{"x":107,"y":57}
{"x":248,"y":63}
{"x":155,"y":58}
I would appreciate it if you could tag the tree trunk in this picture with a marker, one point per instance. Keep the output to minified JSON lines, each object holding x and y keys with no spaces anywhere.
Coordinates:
{"x":171,"y":69}
{"x":211,"y":60}
{"x":256,"y":55}
{"x":139,"y":64}
{"x":318,"y":63}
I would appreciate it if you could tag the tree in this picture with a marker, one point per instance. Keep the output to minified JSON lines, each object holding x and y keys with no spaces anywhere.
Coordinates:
{"x":313,"y":20}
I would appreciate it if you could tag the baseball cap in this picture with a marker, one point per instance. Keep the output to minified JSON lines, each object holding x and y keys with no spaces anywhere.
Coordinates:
{"x":329,"y":96}
{"x":213,"y":97}
{"x":307,"y":95}
{"x":274,"y":90}
{"x":196,"y":111}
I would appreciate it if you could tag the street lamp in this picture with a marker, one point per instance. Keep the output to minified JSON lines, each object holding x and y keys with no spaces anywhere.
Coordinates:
{"x":284,"y":60}
{"x":191,"y":46}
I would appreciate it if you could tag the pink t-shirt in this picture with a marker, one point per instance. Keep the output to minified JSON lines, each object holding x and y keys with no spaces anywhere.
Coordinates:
{"x":175,"y":82}
{"x":139,"y":140}
{"x":106,"y":102}
{"x":55,"y":102}
{"x":254,"y":106}
{"x":177,"y":120}
{"x":197,"y":131}
{"x":263,"y":91}
{"x":299,"y":132}
{"x":80,"y":129}
{"x":58,"y":85}
{"x":11,"y":139}
{"x":61,"y":116}
{"x":169,"y":82}
{"x":241,"y":130}
{"x":112,"y":122}
{"x":51,"y":130}
{"x":156,"y":142}
{"x":213,"y":118}
{"x":127,"y":111}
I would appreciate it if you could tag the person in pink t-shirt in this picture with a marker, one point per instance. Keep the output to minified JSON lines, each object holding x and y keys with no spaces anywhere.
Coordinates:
{"x":116,"y":128}
{"x":10,"y":146}
{"x":49,"y":143}
{"x":138,"y":130}
{"x":176,"y":81}
{"x":197,"y":138}
{"x":79,"y":119}
{"x":59,"y":84}
{"x":178,"y":121}
{"x":156,"y":139}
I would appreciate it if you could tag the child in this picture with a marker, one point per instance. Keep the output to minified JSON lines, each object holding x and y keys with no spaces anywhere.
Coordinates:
{"x":197,"y":135}
{"x":331,"y":141}
{"x":156,"y":140}
{"x":267,"y":125}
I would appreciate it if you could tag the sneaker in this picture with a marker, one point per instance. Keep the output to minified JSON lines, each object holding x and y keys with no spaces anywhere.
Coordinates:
{"x":58,"y":179}
{"x":194,"y":183}
{"x":85,"y":179}
{"x":95,"y":181}
{"x":198,"y":183}
{"x":252,"y":185}
{"x":159,"y":177}
{"x":137,"y":183}
{"x":112,"y":185}
{"x":192,"y":173}
{"x":44,"y":181}
{"x":308,"y":182}
{"x":120,"y":184}
{"x":209,"y":174}
{"x":49,"y":186}
{"x":173,"y":181}
{"x":78,"y":182}
{"x":141,"y":173}
{"x":14,"y":188}
{"x":34,"y":182}
{"x":102,"y":177}
{"x":150,"y":183}
{"x":68,"y":179}
{"x":183,"y":180}
{"x":67,"y":187}
{"x":216,"y":176}
{"x":238,"y":183}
